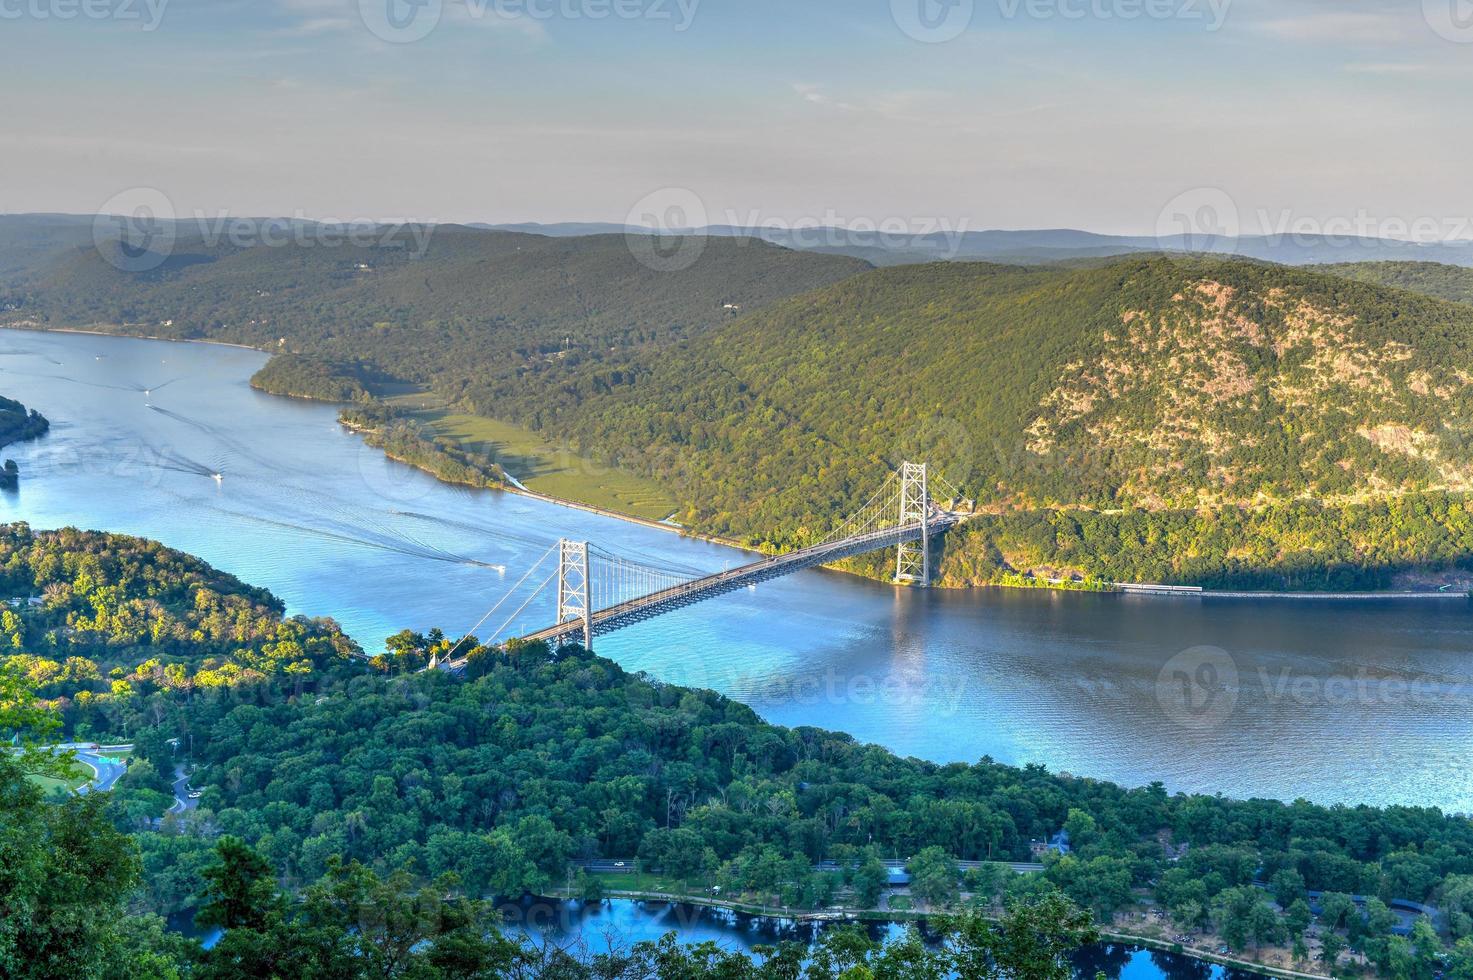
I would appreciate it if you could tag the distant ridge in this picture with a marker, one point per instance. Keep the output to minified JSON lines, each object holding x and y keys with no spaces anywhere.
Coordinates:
{"x":43,"y":233}
{"x":1026,"y":246}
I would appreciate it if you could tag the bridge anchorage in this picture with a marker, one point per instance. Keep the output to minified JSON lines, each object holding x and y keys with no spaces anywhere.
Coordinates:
{"x":598,"y":592}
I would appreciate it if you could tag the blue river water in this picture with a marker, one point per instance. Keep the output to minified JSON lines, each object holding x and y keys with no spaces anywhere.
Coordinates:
{"x":585,"y":929}
{"x":588,"y":929}
{"x":1334,"y":702}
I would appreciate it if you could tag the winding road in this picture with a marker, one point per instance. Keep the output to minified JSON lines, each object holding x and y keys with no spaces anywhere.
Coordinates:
{"x":100,"y":759}
{"x":182,"y":802}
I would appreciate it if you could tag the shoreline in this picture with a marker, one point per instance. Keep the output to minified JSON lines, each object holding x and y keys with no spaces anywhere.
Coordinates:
{"x":32,"y":327}
{"x":1338,"y":596}
{"x":628,"y":518}
{"x":1237,"y":595}
{"x":842,"y":916}
{"x":1119,"y":588}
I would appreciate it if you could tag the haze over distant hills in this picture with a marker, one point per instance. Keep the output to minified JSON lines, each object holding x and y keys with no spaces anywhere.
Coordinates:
{"x":1030,"y":246}
{"x":28,"y":239}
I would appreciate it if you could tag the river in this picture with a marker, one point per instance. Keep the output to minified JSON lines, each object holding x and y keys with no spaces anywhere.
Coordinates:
{"x":1334,"y":702}
{"x":586,"y":929}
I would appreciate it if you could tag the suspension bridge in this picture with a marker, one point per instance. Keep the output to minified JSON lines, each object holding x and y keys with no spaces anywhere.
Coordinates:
{"x":598,"y":592}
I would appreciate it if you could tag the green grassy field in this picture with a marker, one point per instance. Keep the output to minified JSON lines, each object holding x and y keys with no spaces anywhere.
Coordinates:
{"x":49,"y":785}
{"x":539,"y":465}
{"x":644,"y":882}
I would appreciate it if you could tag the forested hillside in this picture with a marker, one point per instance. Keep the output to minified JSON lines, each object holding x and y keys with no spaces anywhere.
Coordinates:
{"x":421,"y":304}
{"x":504,"y":781}
{"x":310,"y":376}
{"x":1147,"y":386}
{"x":98,"y":622}
{"x":1449,"y":282}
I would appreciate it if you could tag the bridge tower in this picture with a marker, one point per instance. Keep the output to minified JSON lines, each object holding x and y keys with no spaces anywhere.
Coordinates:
{"x":574,"y":578}
{"x":913,"y":560}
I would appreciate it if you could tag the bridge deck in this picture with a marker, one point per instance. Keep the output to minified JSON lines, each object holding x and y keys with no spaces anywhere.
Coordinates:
{"x":698,"y":590}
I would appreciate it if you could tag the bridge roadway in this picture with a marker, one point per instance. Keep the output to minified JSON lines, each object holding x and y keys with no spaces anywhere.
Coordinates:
{"x":698,"y":590}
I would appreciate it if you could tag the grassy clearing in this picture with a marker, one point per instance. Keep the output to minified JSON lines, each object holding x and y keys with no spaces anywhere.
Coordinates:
{"x":644,"y":881}
{"x":49,"y":785}
{"x":540,"y":465}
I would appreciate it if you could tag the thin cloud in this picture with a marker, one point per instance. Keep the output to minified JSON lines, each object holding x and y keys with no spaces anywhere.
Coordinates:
{"x":1338,"y":27}
{"x":814,"y":95}
{"x":1419,"y":69}
{"x":316,"y":17}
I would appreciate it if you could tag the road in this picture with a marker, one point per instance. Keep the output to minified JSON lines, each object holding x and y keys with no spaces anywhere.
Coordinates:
{"x":627,"y":865}
{"x":182,"y":802}
{"x":100,"y":760}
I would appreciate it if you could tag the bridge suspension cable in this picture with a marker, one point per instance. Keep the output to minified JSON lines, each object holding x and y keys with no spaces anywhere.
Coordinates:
{"x":616,"y":579}
{"x":598,"y":591}
{"x":879,"y":510}
{"x":450,"y":654}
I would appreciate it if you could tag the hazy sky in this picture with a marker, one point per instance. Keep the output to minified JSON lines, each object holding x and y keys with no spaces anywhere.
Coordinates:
{"x":994,"y":113}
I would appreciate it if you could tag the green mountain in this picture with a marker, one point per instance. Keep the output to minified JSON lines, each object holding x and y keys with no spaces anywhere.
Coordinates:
{"x":1206,"y":420}
{"x":418,"y":303}
{"x":1449,"y":282}
{"x":1143,"y":396}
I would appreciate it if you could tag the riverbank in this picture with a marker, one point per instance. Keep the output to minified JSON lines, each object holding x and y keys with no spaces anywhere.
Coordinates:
{"x":34,"y":327}
{"x":546,"y":473}
{"x":841,"y":916}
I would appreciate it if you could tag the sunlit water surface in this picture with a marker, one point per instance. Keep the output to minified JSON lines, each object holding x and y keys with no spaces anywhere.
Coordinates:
{"x":1335,"y":702}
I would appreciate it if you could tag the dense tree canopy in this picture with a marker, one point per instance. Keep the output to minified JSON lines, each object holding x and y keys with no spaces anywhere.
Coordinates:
{"x":17,"y":423}
{"x":367,"y":786}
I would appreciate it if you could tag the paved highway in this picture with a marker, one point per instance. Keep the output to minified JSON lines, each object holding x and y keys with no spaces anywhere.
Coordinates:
{"x":182,"y":802}
{"x":101,"y":760}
